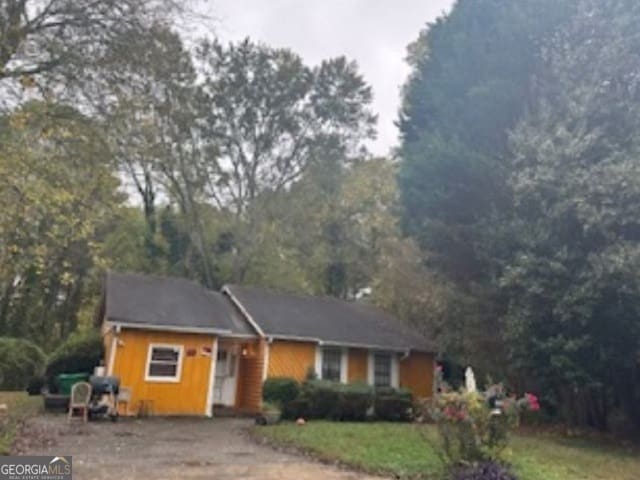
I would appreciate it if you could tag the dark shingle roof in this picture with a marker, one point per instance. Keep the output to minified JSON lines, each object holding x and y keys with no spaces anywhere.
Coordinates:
{"x":169,"y":302}
{"x":326,"y":319}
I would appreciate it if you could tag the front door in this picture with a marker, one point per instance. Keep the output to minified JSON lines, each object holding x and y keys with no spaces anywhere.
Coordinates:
{"x":224,"y":387}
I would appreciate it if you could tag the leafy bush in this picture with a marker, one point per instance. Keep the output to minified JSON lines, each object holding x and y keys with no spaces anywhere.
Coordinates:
{"x":483,"y":471}
{"x":474,"y":426}
{"x":300,"y":407}
{"x":354,"y":402}
{"x":20,"y":360}
{"x":336,"y":401}
{"x":80,"y":353}
{"x":331,"y":401}
{"x":393,"y":405}
{"x":323,"y":398}
{"x":280,"y":390}
{"x":468,"y":430}
{"x":348,"y":402}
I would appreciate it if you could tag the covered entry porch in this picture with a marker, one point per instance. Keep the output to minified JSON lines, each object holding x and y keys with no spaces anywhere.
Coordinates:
{"x":238,"y":376}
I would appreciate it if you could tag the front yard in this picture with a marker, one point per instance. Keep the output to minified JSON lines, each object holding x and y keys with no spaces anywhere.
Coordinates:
{"x":398,"y":449}
{"x":407,"y":450}
{"x":19,"y":406}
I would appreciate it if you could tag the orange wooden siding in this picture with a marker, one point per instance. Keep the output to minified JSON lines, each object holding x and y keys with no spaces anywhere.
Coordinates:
{"x":291,"y":359}
{"x":357,"y":365}
{"x":249,"y":390}
{"x":188,"y":396}
{"x":416,"y":374}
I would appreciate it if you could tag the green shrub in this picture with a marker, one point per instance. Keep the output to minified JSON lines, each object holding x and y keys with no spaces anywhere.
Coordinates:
{"x":323,"y":398}
{"x":393,"y":405}
{"x":80,"y":353}
{"x":332,"y":401}
{"x":298,"y":408}
{"x":382,"y":391}
{"x":280,"y":390}
{"x":355,"y":402}
{"x":20,"y":360}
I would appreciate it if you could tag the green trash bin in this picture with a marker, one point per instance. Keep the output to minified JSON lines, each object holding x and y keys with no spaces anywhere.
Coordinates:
{"x":67,"y":380}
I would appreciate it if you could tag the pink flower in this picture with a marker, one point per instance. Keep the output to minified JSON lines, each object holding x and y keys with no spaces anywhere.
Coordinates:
{"x":450,"y":412}
{"x":534,"y":404}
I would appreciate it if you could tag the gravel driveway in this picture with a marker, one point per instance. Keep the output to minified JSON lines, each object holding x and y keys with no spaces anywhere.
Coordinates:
{"x":177,"y":448}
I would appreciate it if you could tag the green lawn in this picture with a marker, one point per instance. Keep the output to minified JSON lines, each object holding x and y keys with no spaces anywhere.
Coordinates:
{"x":408,"y":451}
{"x":20,"y":406}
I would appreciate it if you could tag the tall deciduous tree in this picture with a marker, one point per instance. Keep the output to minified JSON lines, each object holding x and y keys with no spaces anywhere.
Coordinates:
{"x":269,"y":116}
{"x":63,"y":36}
{"x":340,"y":219}
{"x":152,"y":121}
{"x":264,"y":117}
{"x":56,"y":193}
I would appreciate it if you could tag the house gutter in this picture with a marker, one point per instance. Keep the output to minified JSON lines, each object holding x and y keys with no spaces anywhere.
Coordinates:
{"x":169,"y":328}
{"x":330,"y":343}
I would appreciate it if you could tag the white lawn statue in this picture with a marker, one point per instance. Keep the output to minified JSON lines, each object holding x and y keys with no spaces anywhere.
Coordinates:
{"x":470,"y":380}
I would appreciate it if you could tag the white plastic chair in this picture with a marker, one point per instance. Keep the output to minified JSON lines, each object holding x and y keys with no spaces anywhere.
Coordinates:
{"x":80,"y":398}
{"x":124,"y":396}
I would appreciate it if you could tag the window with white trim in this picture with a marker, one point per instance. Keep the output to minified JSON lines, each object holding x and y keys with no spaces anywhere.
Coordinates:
{"x":382,"y":366}
{"x":331,"y":364}
{"x":164,"y":362}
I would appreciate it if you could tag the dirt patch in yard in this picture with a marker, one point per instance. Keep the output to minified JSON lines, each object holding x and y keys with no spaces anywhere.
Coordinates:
{"x":168,"y":449}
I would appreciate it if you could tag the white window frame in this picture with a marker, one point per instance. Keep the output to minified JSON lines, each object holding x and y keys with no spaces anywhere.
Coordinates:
{"x":395,"y":368}
{"x":163,"y":379}
{"x":344,"y":361}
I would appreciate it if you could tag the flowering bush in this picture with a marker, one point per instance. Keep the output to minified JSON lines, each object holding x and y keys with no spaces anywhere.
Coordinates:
{"x":474,"y":426}
{"x":533,"y":402}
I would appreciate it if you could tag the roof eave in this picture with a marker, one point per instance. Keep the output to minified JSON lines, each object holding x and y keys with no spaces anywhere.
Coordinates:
{"x":168,"y":328}
{"x":337,"y":343}
{"x":238,"y":304}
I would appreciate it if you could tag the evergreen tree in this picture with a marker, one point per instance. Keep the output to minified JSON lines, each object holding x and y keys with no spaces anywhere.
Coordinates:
{"x":472,"y":71}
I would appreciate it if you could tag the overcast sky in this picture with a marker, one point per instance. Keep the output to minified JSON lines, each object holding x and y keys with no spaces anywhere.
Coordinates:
{"x":375,"y":33}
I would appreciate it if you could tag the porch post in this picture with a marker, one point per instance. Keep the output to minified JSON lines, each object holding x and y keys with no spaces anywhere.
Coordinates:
{"x":265,"y":367}
{"x":208,"y":411}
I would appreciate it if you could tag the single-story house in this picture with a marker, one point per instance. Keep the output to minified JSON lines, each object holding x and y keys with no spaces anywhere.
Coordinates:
{"x":182,"y":349}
